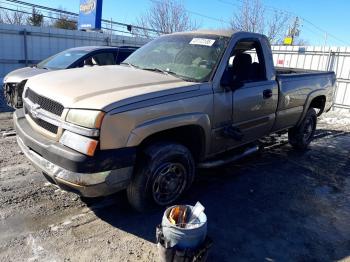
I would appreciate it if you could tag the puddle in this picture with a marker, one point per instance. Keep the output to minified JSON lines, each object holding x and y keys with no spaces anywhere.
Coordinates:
{"x":22,"y":225}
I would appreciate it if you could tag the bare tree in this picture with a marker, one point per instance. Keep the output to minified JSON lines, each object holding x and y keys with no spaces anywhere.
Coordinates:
{"x":252,"y":17}
{"x":277,"y":26}
{"x":64,"y":22}
{"x":13,"y":17}
{"x":165,"y":16}
{"x":36,"y":19}
{"x":294,"y":33}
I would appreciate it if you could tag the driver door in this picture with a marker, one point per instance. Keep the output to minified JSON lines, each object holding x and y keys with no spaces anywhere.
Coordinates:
{"x":254,"y":98}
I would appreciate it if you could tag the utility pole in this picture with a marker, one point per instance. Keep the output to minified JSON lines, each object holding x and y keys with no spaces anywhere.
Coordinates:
{"x":293,"y":32}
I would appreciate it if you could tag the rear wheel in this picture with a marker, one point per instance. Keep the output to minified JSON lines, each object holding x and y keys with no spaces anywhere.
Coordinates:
{"x":301,"y":136}
{"x":162,"y":175}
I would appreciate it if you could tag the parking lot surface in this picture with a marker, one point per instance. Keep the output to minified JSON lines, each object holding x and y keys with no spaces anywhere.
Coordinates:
{"x":278,"y":205}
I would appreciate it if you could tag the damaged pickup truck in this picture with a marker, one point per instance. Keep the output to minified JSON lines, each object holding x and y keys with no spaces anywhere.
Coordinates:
{"x":184,"y":100}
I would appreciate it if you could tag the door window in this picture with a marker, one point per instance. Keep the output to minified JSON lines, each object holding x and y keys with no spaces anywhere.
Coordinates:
{"x":122,"y":55}
{"x":100,"y":59}
{"x":246,"y":63}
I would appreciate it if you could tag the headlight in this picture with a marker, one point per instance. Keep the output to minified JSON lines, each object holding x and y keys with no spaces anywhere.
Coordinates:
{"x":85,"y":118}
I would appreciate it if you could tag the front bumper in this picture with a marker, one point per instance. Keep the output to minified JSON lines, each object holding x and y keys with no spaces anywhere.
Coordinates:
{"x":105,"y":173}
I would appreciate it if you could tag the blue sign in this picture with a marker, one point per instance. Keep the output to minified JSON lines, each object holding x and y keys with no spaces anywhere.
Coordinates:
{"x":90,"y":13}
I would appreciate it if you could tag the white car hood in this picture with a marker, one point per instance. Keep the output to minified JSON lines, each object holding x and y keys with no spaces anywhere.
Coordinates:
{"x":101,"y":87}
{"x":21,"y":74}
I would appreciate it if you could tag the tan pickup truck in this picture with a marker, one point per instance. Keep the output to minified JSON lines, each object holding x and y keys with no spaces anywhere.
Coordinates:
{"x":184,"y":100}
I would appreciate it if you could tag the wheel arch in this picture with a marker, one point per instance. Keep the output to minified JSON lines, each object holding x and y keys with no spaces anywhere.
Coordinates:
{"x":316,"y":99}
{"x":191,"y":130}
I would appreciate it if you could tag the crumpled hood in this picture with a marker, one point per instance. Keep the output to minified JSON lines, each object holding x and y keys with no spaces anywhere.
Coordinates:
{"x":21,"y":74}
{"x":105,"y":87}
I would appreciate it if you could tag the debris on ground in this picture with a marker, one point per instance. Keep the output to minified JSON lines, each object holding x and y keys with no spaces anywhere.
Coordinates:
{"x":279,"y":204}
{"x":9,"y":133}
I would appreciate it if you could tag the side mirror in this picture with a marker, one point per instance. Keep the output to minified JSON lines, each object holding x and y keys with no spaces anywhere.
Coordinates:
{"x":228,"y":83}
{"x":226,"y":80}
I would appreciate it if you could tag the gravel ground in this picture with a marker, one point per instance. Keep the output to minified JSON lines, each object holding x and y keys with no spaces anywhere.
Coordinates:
{"x":279,"y":205}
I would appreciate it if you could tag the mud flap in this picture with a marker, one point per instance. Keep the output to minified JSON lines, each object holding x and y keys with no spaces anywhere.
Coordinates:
{"x":172,"y":254}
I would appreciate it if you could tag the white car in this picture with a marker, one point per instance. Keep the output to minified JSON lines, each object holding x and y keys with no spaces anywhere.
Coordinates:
{"x":71,"y":58}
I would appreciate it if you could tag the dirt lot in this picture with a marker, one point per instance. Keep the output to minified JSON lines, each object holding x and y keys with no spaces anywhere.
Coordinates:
{"x":279,"y":205}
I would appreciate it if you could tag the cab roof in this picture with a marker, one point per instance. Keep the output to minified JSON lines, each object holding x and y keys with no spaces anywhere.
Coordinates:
{"x":227,"y":33}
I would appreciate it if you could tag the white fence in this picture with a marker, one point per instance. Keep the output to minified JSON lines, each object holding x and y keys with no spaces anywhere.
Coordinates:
{"x":25,"y":45}
{"x":335,"y":59}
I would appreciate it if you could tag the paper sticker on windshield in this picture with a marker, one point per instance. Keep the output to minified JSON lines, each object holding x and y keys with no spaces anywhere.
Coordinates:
{"x":202,"y":41}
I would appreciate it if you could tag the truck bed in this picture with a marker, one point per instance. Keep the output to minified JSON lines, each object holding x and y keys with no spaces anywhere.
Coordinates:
{"x":296,"y":72}
{"x":295,"y":88}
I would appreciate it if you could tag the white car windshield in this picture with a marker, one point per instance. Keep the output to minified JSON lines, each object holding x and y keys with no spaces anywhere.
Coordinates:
{"x":188,"y":56}
{"x":62,"y":60}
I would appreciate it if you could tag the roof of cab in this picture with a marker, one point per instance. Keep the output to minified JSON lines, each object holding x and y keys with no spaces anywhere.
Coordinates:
{"x":227,"y":33}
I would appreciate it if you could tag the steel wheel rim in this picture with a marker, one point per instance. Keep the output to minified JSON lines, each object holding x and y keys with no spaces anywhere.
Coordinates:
{"x":169,"y":182}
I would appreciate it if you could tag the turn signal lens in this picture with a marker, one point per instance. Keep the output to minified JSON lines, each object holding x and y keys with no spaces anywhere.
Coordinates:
{"x":79,"y":143}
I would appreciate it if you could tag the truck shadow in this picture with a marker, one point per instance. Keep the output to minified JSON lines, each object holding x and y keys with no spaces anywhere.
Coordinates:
{"x":280,"y":204}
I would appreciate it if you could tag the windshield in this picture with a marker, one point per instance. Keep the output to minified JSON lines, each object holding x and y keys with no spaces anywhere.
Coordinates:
{"x":188,"y":56}
{"x":62,"y":60}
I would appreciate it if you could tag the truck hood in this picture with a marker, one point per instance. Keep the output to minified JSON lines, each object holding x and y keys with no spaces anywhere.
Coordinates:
{"x":105,"y":87}
{"x":21,"y":74}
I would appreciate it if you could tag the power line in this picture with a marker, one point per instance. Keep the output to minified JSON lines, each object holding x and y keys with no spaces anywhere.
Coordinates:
{"x":208,"y":17}
{"x":26,"y":8}
{"x":42,"y":7}
{"x":25,"y":12}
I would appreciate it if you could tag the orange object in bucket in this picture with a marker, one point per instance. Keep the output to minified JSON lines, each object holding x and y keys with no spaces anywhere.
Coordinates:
{"x":177,"y":216}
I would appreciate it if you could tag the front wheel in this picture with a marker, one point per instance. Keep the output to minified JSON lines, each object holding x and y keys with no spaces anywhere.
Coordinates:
{"x":163,"y":173}
{"x":301,"y":136}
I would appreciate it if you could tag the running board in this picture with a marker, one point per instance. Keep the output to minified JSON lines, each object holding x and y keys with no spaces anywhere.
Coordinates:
{"x":223,"y":161}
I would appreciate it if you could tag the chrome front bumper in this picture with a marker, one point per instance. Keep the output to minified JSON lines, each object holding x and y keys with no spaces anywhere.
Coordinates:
{"x":85,"y":184}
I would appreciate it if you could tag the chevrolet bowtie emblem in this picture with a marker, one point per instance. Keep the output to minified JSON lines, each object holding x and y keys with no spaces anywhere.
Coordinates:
{"x":34,"y":110}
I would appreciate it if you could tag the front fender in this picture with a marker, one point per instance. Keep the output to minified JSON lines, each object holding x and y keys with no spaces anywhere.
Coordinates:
{"x":149,"y":128}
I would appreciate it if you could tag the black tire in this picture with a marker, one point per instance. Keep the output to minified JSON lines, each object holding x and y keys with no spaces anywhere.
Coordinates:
{"x":162,"y":167}
{"x":301,"y":136}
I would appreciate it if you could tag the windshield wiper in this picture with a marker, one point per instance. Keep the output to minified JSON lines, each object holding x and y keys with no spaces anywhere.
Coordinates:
{"x":129,"y":64}
{"x":168,"y":72}
{"x":157,"y":70}
{"x":39,"y":67}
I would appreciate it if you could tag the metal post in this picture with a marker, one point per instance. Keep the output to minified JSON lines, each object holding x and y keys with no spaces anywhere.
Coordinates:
{"x":328,"y":64}
{"x":25,"y":46}
{"x":324,"y":51}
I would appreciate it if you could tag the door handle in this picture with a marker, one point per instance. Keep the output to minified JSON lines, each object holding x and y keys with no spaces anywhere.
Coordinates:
{"x":267,"y":93}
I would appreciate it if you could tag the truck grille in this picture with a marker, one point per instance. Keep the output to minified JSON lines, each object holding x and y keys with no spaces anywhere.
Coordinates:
{"x":42,"y":123}
{"x":45,"y":103}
